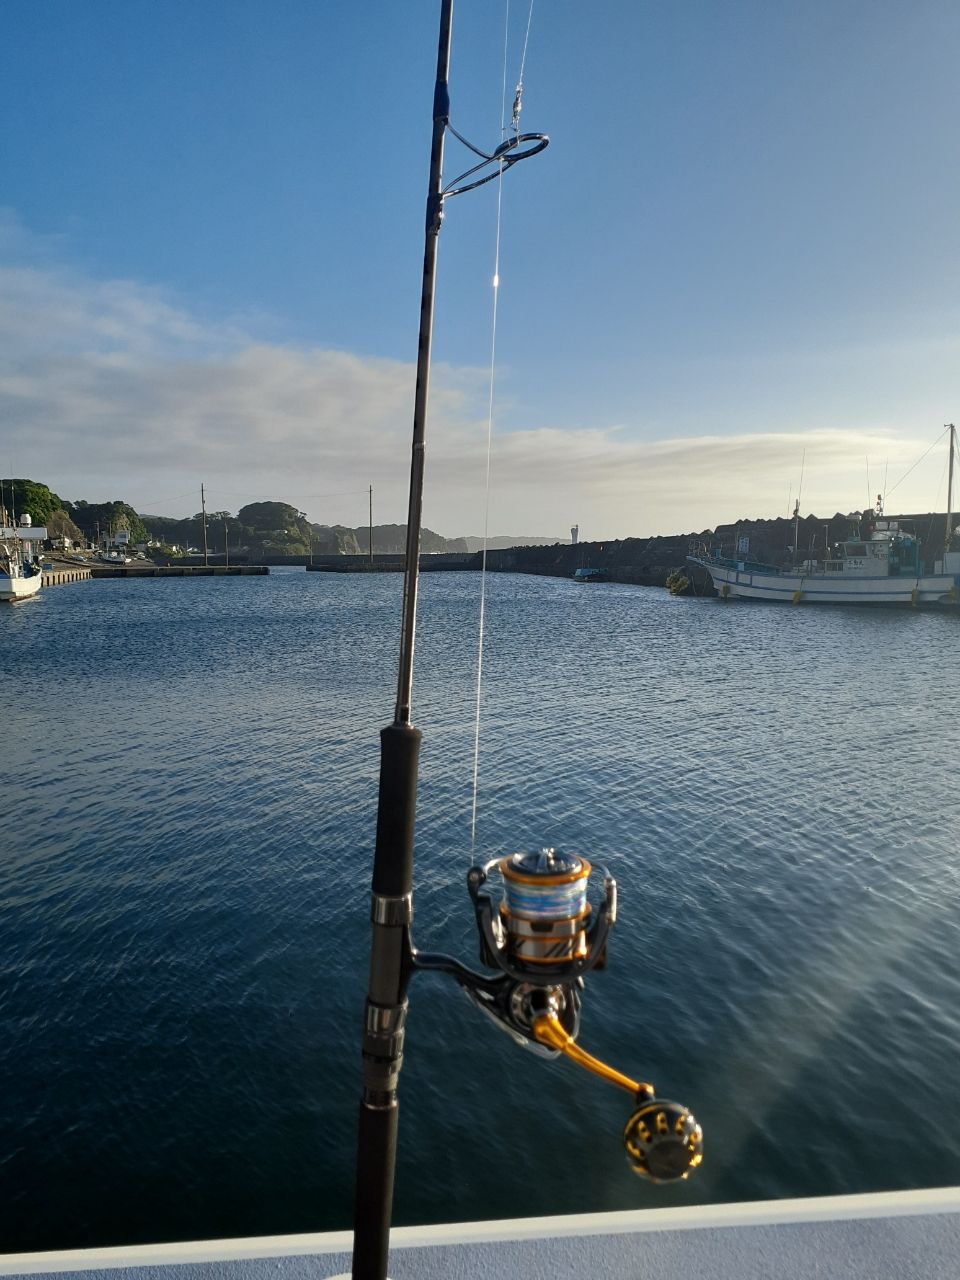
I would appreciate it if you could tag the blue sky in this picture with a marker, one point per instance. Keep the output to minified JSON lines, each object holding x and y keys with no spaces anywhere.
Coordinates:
{"x":738,"y":251}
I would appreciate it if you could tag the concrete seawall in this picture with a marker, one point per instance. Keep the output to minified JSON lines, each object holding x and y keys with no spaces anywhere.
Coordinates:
{"x":62,"y":575}
{"x":619,"y":562}
{"x":451,"y":561}
{"x":176,"y":570}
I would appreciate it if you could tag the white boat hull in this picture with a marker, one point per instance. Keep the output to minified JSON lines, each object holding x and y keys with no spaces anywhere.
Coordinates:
{"x":19,"y":588}
{"x":823,"y":588}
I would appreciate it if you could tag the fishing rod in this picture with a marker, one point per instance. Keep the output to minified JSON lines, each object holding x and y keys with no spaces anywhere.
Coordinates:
{"x":539,"y":939}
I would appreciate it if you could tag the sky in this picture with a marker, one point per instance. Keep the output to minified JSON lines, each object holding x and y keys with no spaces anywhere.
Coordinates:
{"x":734,"y":269}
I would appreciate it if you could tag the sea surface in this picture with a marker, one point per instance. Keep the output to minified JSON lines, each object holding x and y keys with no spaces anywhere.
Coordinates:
{"x":189,"y":792}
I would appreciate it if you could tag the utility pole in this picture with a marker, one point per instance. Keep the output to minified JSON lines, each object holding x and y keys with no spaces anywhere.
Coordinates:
{"x":203,"y":508}
{"x":371,"y":524}
{"x":226,"y":544}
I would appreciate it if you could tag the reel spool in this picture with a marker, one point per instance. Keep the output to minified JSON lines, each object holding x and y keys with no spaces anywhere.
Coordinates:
{"x":542,"y":931}
{"x":544,"y":908}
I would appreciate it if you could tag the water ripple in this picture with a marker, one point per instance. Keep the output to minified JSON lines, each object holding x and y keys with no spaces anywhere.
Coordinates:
{"x":183,"y":921}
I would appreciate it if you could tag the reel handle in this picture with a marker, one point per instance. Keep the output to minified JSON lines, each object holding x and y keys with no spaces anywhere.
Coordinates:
{"x":548,"y":1030}
{"x":662,"y":1139}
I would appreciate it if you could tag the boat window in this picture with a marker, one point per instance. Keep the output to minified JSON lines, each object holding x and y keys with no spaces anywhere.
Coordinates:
{"x":855,"y":548}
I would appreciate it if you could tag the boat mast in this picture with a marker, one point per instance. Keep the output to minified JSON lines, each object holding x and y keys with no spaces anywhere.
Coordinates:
{"x":392,"y":885}
{"x":203,"y":508}
{"x":953,"y":449}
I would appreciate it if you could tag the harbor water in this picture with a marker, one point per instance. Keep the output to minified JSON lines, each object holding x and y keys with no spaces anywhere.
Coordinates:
{"x":190,"y":777}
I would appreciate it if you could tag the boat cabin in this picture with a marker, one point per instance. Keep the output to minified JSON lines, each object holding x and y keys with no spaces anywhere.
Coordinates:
{"x":888,"y":551}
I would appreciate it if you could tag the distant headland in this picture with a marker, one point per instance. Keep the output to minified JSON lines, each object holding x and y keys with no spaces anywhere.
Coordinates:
{"x":257,"y":531}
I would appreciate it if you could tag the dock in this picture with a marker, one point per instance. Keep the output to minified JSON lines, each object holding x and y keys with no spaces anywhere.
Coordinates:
{"x":178,"y":570}
{"x":63,"y":574}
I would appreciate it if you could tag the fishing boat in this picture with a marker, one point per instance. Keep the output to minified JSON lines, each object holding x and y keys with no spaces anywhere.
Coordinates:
{"x":882,"y":565}
{"x":20,"y":578}
{"x":590,"y":575}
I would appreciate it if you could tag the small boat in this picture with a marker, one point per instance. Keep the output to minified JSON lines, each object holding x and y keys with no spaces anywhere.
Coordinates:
{"x":114,"y":557}
{"x":881,"y":566}
{"x":591,"y":575}
{"x":20,"y":577}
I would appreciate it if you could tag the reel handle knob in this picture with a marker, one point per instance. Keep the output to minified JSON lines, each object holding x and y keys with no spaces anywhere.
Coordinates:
{"x":663,"y":1140}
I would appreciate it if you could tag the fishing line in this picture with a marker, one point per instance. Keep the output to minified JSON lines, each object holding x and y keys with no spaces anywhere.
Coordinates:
{"x":503,"y":89}
{"x":517,"y":101}
{"x":481,"y":625}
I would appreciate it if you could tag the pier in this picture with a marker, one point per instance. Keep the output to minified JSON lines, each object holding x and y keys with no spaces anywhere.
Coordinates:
{"x":63,"y":574}
{"x":177,"y":570}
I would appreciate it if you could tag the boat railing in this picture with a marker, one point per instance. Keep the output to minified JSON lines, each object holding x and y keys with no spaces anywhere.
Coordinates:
{"x":708,"y":556}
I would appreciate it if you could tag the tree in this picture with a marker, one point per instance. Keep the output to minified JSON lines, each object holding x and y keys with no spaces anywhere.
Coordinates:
{"x":30,"y":497}
{"x":106,"y":517}
{"x":59,"y":525}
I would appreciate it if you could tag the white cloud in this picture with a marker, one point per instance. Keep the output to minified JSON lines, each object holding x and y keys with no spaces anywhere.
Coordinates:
{"x":113,"y":389}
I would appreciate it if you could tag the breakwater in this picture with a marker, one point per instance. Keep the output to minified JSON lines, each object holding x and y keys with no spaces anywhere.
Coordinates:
{"x":631,"y":560}
{"x":650,"y":561}
{"x":450,"y":561}
{"x":176,"y":570}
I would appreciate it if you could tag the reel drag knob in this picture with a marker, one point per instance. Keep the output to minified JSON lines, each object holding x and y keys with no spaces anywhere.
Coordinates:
{"x":663,"y":1141}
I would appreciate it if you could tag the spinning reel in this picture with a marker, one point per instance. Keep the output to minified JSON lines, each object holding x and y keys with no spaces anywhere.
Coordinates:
{"x":543,"y":936}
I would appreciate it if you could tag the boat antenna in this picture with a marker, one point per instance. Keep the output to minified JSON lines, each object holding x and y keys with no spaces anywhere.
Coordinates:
{"x":948,"y":535}
{"x":796,"y":513}
{"x":391,"y":957}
